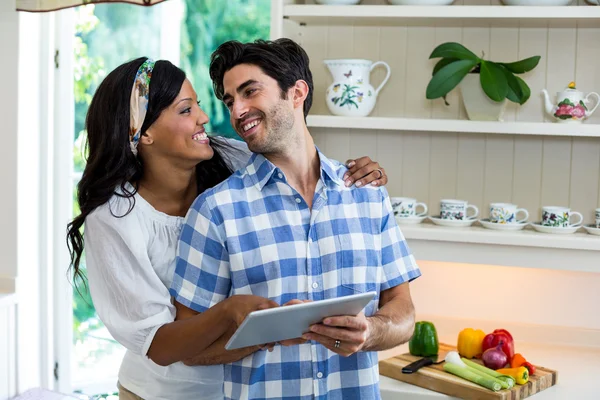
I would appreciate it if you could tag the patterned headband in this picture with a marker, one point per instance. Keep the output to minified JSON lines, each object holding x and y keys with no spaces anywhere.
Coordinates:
{"x":139,"y":103}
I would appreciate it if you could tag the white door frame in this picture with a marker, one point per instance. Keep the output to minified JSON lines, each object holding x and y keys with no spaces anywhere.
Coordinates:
{"x":61,"y":149}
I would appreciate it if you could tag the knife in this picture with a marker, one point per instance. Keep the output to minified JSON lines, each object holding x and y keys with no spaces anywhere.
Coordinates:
{"x":425,"y":361}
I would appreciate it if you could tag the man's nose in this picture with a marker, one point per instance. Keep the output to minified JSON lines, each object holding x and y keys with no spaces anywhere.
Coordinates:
{"x":240,"y":109}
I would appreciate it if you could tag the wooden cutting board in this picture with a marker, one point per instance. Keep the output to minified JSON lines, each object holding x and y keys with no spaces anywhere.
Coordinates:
{"x":435,"y":378}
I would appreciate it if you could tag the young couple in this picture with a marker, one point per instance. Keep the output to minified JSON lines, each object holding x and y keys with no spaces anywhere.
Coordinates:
{"x":290,"y":225}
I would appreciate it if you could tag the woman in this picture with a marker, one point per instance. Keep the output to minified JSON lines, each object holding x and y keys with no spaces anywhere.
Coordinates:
{"x":149,"y":158}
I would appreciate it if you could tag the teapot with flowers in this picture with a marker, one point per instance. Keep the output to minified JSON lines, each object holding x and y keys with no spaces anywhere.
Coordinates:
{"x":571,"y":106}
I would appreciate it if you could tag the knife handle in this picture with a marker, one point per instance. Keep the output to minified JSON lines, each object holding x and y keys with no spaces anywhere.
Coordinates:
{"x":415,"y":366}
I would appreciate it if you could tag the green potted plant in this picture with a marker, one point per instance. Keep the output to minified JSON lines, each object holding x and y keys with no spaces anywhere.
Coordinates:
{"x":485,"y":85}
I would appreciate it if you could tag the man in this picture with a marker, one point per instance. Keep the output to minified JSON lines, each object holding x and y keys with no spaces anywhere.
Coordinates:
{"x":287,"y":228}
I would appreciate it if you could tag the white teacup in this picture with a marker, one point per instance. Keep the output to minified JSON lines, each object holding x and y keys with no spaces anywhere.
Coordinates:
{"x":506,"y":213}
{"x":559,"y":217}
{"x":406,"y":207}
{"x":598,"y":218}
{"x":456,"y":210}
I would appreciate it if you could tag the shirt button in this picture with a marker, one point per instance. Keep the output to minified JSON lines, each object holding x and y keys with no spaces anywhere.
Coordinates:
{"x":280,"y":175}
{"x":315,"y":285}
{"x":298,"y":200}
{"x":319,"y":375}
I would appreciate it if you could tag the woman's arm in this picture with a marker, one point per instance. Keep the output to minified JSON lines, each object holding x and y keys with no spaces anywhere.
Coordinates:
{"x":200,"y":338}
{"x":361,"y":171}
{"x":134,"y":303}
{"x":215,"y":353}
{"x":186,"y":338}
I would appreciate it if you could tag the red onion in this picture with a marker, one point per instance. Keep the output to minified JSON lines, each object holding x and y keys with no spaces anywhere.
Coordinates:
{"x":494,"y":358}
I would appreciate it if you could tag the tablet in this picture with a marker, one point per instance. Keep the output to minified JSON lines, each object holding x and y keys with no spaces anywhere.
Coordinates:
{"x":290,"y":322}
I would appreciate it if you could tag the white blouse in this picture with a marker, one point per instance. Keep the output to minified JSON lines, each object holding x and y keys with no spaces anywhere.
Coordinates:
{"x":130,"y":261}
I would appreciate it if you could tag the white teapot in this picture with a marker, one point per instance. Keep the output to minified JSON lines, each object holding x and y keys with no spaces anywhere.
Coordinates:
{"x":572,"y":105}
{"x":351,"y":94}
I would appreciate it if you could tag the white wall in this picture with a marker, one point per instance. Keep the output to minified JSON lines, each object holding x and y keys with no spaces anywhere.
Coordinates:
{"x":9,"y":27}
{"x":508,"y":294}
{"x":21,"y":107}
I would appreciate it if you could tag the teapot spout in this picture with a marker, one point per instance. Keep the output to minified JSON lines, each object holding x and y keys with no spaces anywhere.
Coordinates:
{"x":547,"y":103}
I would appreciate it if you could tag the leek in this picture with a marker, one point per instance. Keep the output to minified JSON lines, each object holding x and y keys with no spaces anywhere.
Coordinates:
{"x":472,"y":376}
{"x":509,"y":380}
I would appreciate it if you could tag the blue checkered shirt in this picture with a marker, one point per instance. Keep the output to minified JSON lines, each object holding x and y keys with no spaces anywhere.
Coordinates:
{"x":254,"y":234}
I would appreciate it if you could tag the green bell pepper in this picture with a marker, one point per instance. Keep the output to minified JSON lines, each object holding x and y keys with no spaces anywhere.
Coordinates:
{"x":424,"y":341}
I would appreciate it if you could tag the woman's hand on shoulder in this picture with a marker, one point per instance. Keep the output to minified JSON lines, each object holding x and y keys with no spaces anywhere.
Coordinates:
{"x":363,"y":171}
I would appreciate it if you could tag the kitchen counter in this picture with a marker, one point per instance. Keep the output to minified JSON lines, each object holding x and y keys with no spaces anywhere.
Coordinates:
{"x":578,"y":373}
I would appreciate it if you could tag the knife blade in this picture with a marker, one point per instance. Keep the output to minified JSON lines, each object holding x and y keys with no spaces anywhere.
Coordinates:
{"x":425,"y":361}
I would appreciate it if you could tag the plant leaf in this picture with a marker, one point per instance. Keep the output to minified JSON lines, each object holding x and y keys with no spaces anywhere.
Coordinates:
{"x":519,"y":67}
{"x":493,"y":81}
{"x":453,"y":50}
{"x":448,"y":77}
{"x":442,"y":63}
{"x":525,"y":89}
{"x":515,"y":93}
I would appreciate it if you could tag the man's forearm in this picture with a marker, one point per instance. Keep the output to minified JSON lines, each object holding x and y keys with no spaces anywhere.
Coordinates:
{"x":391,"y":326}
{"x":216,"y":353}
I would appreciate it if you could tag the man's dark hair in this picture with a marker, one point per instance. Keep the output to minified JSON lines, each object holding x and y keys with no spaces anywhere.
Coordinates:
{"x":282,"y":59}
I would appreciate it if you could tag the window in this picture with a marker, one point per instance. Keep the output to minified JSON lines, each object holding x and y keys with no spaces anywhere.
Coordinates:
{"x":185,"y":32}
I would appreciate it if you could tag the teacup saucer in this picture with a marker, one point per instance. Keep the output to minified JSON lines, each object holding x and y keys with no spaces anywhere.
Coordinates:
{"x":592,"y":230}
{"x":515,"y":226}
{"x":412,"y":220}
{"x":554,"y":229}
{"x":454,"y":223}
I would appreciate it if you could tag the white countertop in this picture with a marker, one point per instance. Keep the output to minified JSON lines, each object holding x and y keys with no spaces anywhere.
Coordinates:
{"x":578,"y":374}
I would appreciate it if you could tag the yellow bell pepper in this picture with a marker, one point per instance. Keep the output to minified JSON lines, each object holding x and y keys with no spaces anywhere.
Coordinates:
{"x":520,"y":374}
{"x":469,"y":342}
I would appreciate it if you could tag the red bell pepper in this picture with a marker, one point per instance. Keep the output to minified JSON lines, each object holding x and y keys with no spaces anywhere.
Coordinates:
{"x":500,"y":336}
{"x":530,"y":367}
{"x":519,"y":361}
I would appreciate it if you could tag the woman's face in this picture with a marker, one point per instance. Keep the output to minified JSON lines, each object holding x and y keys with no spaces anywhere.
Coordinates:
{"x":178,"y":134}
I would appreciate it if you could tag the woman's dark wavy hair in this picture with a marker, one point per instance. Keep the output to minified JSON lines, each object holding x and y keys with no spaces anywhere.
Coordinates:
{"x":110,"y":163}
{"x":282,"y":59}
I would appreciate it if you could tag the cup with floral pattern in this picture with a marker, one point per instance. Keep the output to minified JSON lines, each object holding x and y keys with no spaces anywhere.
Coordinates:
{"x":506,"y":213}
{"x":598,"y":218}
{"x":457,"y":210}
{"x":560,"y":217}
{"x":407,"y":207}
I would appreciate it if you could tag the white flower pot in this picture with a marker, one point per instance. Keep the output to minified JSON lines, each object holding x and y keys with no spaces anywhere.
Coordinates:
{"x":480,"y":107}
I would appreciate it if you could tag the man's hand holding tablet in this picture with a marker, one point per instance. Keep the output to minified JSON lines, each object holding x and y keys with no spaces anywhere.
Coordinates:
{"x":287,"y":324}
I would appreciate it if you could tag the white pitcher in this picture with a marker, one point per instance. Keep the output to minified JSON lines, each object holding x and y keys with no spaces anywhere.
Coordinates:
{"x":351,"y":94}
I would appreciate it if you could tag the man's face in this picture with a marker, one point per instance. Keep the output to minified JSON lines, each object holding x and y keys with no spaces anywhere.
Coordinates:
{"x":259,"y":111}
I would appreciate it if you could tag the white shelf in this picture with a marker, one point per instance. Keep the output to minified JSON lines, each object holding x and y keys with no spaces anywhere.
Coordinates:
{"x":439,"y":15}
{"x":526,"y":248}
{"x":451,"y":125}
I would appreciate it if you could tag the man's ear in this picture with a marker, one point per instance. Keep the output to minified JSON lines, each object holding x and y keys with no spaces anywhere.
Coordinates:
{"x":300,"y":91}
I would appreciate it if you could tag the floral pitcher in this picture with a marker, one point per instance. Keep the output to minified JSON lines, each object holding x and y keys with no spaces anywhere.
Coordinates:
{"x":572,"y":104}
{"x":351,"y":94}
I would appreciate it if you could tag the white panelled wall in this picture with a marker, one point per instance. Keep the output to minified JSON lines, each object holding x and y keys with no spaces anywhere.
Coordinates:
{"x":480,"y":168}
{"x":531,"y":171}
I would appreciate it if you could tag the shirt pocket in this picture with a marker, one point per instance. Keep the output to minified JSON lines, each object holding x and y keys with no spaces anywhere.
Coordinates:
{"x":360,"y":263}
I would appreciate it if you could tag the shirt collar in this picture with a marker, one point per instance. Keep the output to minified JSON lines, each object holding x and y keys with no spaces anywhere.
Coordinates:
{"x":261,"y":170}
